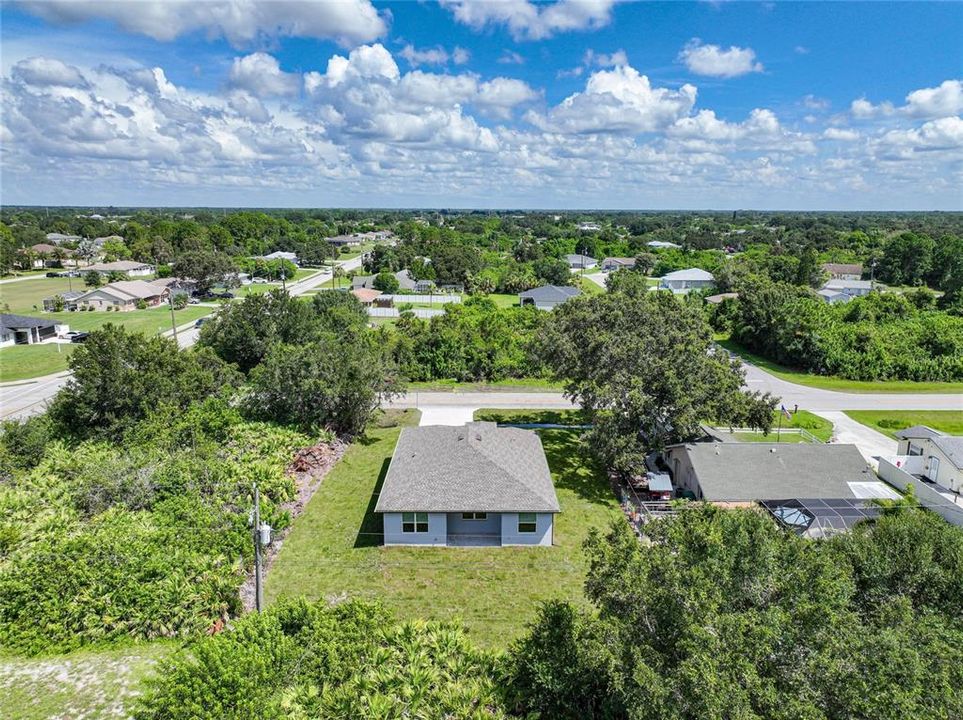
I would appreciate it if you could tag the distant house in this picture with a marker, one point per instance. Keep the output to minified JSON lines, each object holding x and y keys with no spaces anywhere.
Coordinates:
{"x":833,"y":296}
{"x":682,"y":281}
{"x":128,"y":267}
{"x":580,"y":262}
{"x":177,"y":286}
{"x":662,"y":245}
{"x":59,"y":238}
{"x":475,"y":485}
{"x":69,"y":299}
{"x":99,"y":242}
{"x":366,"y":296}
{"x":404,"y":278}
{"x":123,"y":295}
{"x":611,"y":264}
{"x":589,"y":227}
{"x":843,"y":271}
{"x":942,"y":454}
{"x":345,"y":240}
{"x":547,"y":296}
{"x":279,"y":255}
{"x":23,"y":330}
{"x":852,"y":288}
{"x":44,"y":253}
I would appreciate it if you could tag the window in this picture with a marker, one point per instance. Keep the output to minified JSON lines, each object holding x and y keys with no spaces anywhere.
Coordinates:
{"x":915,"y":450}
{"x":526,"y":522}
{"x":474,"y":516}
{"x":414,"y":522}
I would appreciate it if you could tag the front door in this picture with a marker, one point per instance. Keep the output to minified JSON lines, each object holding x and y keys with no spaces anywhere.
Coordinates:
{"x":934,"y":472}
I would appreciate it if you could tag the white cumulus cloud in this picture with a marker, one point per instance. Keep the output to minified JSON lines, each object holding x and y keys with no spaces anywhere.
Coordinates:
{"x":43,"y":71}
{"x":527,"y":20}
{"x":261,"y":75}
{"x":715,"y":61}
{"x":434,"y":56}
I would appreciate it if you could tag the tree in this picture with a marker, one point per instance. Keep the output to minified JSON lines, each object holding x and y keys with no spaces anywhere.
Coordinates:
{"x":119,"y":377}
{"x":947,"y":271}
{"x":552,"y":271}
{"x":93,"y":279}
{"x":340,"y":313}
{"x":242,"y":333}
{"x":8,"y":250}
{"x":645,"y":262}
{"x":206,"y":269}
{"x":332,"y":382}
{"x":337,"y":274}
{"x":907,"y":259}
{"x":386,"y":282}
{"x":721,"y":613}
{"x":642,"y":365}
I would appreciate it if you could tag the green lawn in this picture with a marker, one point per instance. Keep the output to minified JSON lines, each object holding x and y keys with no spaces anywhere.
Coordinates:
{"x":508,"y":385}
{"x":826,"y":382}
{"x":87,"y":684}
{"x":502,"y":301}
{"x":551,"y":417}
{"x":889,"y":421}
{"x":20,"y":362}
{"x":26,"y":297}
{"x":589,"y":287}
{"x":334,"y":549}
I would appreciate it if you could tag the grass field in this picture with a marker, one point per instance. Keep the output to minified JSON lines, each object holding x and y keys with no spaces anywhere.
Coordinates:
{"x":21,"y":362}
{"x":889,"y":422}
{"x":26,"y":297}
{"x":334,"y":549}
{"x":825,"y":382}
{"x":509,"y":385}
{"x":550,"y":417}
{"x":89,"y":684}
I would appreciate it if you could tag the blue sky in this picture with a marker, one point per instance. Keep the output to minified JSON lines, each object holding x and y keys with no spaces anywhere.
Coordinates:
{"x":503,"y":103}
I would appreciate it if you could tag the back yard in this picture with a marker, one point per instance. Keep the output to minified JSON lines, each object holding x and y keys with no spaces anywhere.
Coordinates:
{"x":889,"y":422}
{"x":334,"y":549}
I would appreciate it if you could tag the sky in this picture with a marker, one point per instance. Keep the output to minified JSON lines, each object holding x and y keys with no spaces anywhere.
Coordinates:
{"x":566,"y":104}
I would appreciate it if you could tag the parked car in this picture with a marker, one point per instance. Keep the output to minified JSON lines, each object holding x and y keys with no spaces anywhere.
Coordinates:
{"x":224,"y":295}
{"x":53,"y":274}
{"x":80,"y":337}
{"x":259,"y":281}
{"x":194,"y":301}
{"x":200,"y":322}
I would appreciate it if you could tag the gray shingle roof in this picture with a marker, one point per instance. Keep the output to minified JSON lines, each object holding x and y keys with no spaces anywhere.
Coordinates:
{"x":917,"y":432}
{"x":478,"y":467}
{"x":550,"y":293}
{"x":776,"y":471}
{"x":952,"y":447}
{"x":16,"y":322}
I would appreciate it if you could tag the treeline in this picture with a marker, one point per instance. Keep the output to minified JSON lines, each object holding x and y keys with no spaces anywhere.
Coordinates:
{"x":887,"y":336}
{"x":722,"y":614}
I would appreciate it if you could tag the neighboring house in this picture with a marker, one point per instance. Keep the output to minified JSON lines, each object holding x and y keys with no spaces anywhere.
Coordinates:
{"x":128,"y":267}
{"x":478,"y":485}
{"x":177,"y":286}
{"x":754,"y":471}
{"x":942,"y":454}
{"x":717,"y":299}
{"x":101,"y":241}
{"x":547,"y":296}
{"x":366,"y":296}
{"x":59,"y":238}
{"x":69,"y":298}
{"x":580,"y":262}
{"x":345,"y":240}
{"x":611,"y":264}
{"x":852,"y":288}
{"x":682,"y":281}
{"x":589,"y":227}
{"x":123,"y":295}
{"x":843,"y":271}
{"x":662,"y":245}
{"x":23,"y":330}
{"x":833,"y":296}
{"x":279,"y":255}
{"x":404,"y":278}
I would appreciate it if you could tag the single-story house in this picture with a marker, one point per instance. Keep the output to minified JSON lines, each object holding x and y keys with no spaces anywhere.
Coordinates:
{"x":843,"y":271}
{"x":59,"y":238}
{"x":279,"y":255}
{"x":177,"y":286}
{"x":124,"y":295}
{"x":942,"y":454}
{"x":852,"y":288}
{"x":611,"y":264}
{"x":547,"y":296}
{"x":345,"y":240}
{"x":833,"y":296}
{"x":404,"y":278}
{"x":69,"y":299}
{"x":366,"y":296}
{"x":589,"y":227}
{"x":717,"y":299}
{"x":474,"y":485}
{"x":23,"y":330}
{"x":580,"y":262}
{"x":99,"y":242}
{"x":662,"y":245}
{"x":128,"y":267}
{"x":682,"y":281}
{"x":740,"y":473}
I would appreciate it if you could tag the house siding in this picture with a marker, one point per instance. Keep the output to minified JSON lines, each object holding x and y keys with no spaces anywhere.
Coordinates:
{"x":543,"y":535}
{"x":437,"y":531}
{"x":947,"y":474}
{"x":490,"y":527}
{"x":683,"y":474}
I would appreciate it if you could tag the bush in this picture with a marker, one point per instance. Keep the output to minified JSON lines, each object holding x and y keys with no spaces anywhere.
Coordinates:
{"x":141,"y":304}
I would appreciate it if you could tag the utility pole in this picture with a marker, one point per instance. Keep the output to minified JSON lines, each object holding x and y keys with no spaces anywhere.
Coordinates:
{"x":170,"y":302}
{"x":258,"y":592}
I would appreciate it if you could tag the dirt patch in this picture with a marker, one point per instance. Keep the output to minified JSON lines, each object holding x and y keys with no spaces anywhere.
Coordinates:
{"x":308,"y":468}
